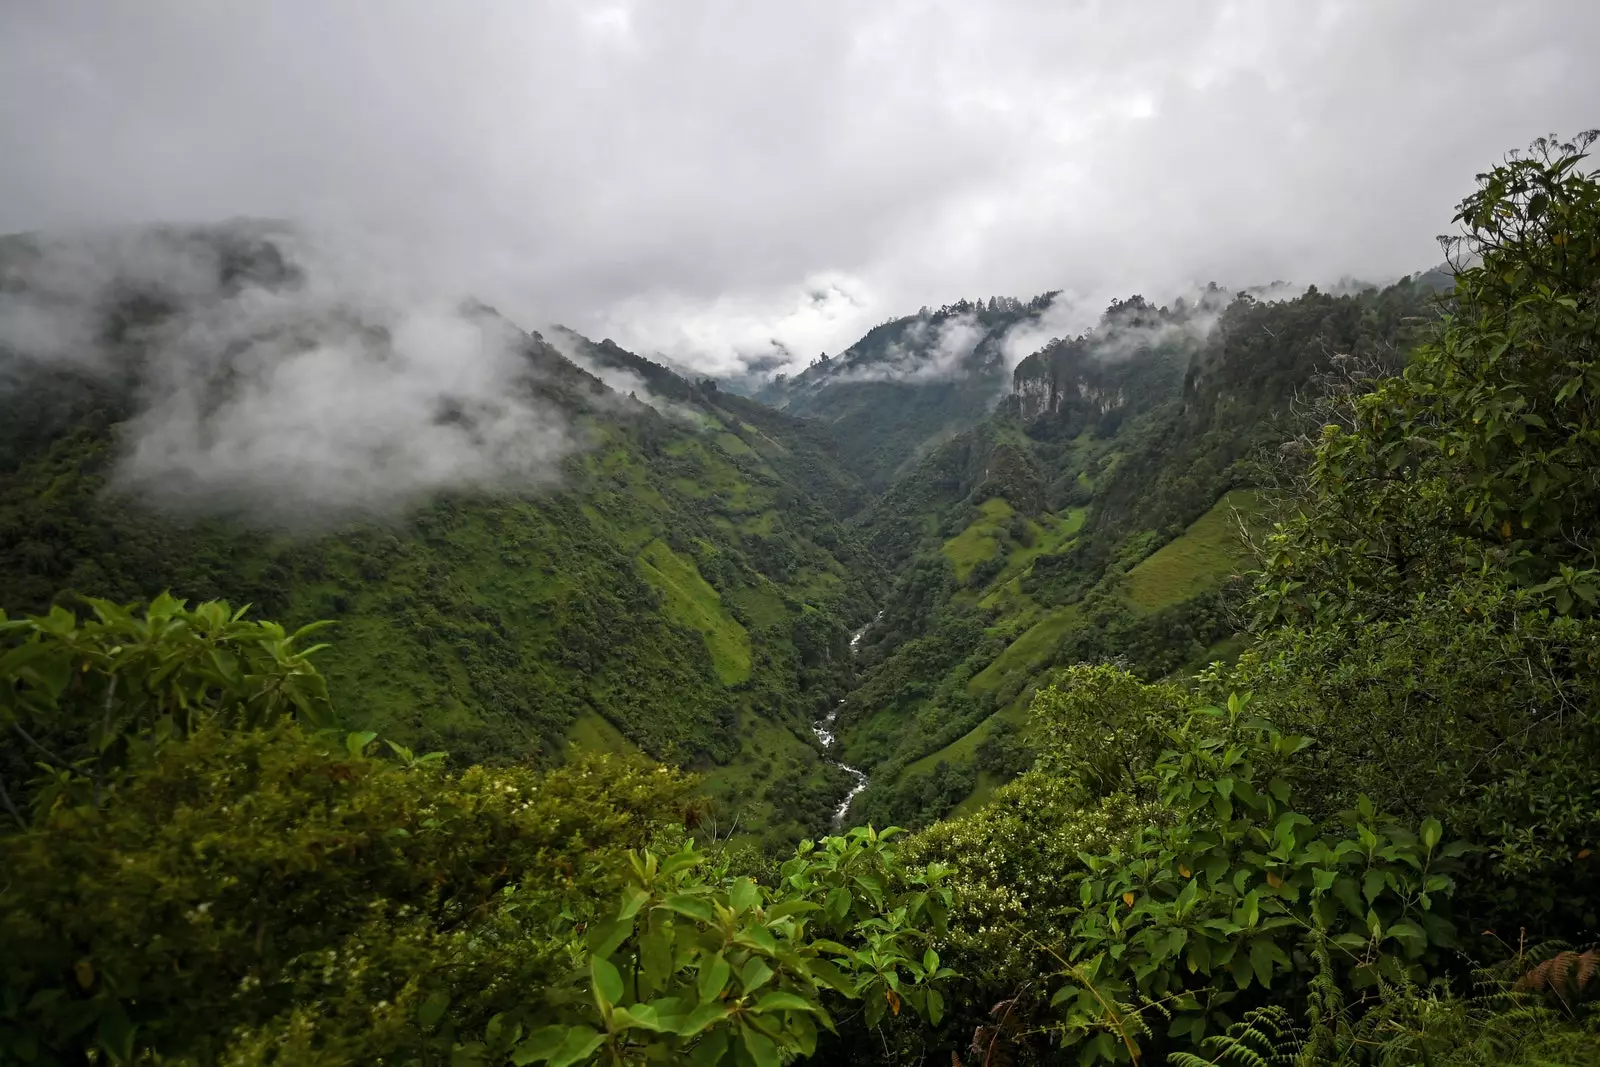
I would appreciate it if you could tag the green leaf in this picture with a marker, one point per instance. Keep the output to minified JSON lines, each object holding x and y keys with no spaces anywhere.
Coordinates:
{"x":825,"y":972}
{"x":607,"y":981}
{"x":655,"y":956}
{"x":710,"y":1049}
{"x":714,"y":973}
{"x":1431,"y":832}
{"x":680,"y":861}
{"x":743,"y":895}
{"x":1261,"y":961}
{"x":703,"y":1016}
{"x":559,"y":1046}
{"x":432,"y":1009}
{"x":356,"y":743}
{"x":935,"y":1006}
{"x":1410,"y":935}
{"x":1344,"y":888}
{"x":633,"y":899}
{"x":783,"y":1000}
{"x":755,"y":974}
{"x":539,"y":1046}
{"x":604,"y":937}
{"x":838,"y":904}
{"x":791,"y":907}
{"x":639,"y":1017}
{"x":761,"y":1048}
{"x":694,"y":907}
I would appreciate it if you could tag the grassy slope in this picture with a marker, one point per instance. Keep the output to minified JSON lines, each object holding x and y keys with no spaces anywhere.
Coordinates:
{"x":981,"y":540}
{"x":1198,"y":561}
{"x":689,"y":601}
{"x":1206,"y":554}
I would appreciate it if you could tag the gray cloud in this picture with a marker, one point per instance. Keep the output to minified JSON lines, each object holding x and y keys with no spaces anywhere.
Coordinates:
{"x":301,"y":389}
{"x":688,"y":178}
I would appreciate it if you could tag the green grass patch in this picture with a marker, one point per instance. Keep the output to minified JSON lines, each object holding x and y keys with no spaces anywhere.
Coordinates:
{"x":1031,"y":650}
{"x":1051,"y":533}
{"x":690,"y":601}
{"x":762,"y":605}
{"x":762,"y":525}
{"x":980,"y":541}
{"x":592,"y":732}
{"x":734,"y":445}
{"x":1204,"y":557}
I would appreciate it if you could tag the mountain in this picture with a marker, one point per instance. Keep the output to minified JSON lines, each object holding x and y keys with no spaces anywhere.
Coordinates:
{"x":679,"y":583}
{"x":1095,"y":515}
{"x":908,"y":383}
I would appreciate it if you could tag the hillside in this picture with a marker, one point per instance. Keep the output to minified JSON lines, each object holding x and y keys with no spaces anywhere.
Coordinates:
{"x":1098,"y":515}
{"x":684,"y":588}
{"x":908,"y":383}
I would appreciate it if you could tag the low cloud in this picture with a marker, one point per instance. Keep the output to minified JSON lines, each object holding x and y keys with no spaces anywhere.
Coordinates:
{"x":925,"y":350}
{"x":298,"y":383}
{"x":1121,"y":326}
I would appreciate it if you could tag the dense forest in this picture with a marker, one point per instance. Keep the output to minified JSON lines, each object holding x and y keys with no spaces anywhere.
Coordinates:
{"x":1233,"y":677}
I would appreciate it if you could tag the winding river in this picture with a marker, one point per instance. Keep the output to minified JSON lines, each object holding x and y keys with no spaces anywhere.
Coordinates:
{"x":823,"y":728}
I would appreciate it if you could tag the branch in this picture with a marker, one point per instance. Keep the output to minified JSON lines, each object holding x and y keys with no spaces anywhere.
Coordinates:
{"x":5,"y":798}
{"x":51,"y":756}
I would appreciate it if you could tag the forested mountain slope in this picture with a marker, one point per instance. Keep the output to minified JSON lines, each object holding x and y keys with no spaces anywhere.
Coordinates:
{"x":683,"y":586}
{"x":1099,"y":514}
{"x":909,"y":382}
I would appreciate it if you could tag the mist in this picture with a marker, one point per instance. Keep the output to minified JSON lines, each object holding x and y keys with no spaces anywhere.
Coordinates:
{"x":295,"y":381}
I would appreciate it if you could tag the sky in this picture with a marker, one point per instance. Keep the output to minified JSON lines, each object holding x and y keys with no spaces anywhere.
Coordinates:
{"x":706,"y":180}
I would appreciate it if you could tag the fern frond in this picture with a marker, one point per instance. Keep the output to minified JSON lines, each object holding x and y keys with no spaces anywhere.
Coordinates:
{"x":1263,"y":1038}
{"x":1566,"y":975}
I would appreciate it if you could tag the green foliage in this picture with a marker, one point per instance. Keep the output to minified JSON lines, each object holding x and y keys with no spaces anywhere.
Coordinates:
{"x":76,"y":695}
{"x":245,"y":895}
{"x":710,"y":968}
{"x":1426,"y":609}
{"x":1102,"y":730}
{"x":1238,"y":890}
{"x":250,"y":893}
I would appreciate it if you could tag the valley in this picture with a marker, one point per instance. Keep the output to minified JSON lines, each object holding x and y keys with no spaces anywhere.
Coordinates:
{"x":712,"y":576}
{"x":1178,"y":672}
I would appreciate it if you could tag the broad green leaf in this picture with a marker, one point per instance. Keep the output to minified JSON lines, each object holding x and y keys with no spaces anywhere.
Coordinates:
{"x":432,"y":1009}
{"x":714,"y":972}
{"x":755,"y":974}
{"x":604,"y":937}
{"x":703,"y":1016}
{"x":825,"y":972}
{"x":783,"y":1000}
{"x":607,"y":981}
{"x":638,"y":1017}
{"x":743,"y":895}
{"x":694,"y":907}
{"x":761,"y":1048}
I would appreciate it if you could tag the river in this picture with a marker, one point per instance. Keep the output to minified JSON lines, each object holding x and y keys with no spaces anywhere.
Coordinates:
{"x":823,"y":728}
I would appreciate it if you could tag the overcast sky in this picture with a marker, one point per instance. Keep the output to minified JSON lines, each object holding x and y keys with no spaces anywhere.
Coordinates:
{"x":698,"y":178}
